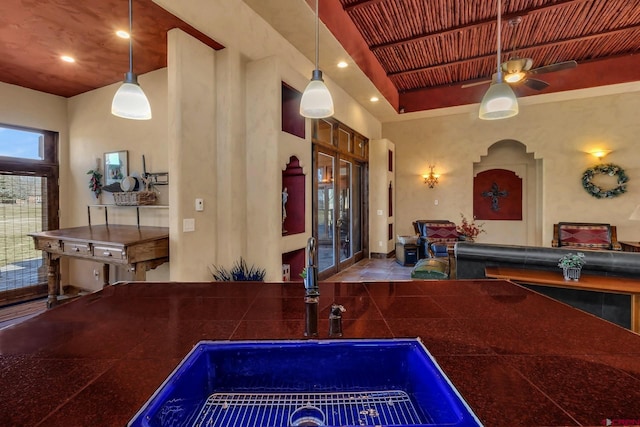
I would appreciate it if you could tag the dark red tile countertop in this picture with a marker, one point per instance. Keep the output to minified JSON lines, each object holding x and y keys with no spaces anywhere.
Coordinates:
{"x":518,"y":358}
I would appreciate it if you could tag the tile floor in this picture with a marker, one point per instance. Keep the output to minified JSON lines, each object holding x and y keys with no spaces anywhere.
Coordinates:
{"x":371,"y":270}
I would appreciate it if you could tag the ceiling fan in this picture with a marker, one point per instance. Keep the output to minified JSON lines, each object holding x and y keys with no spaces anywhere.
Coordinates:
{"x":518,"y":71}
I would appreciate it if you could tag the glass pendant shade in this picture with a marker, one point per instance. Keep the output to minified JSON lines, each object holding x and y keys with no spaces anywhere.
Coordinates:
{"x":316,"y":102}
{"x":498,"y":103}
{"x":130,"y":102}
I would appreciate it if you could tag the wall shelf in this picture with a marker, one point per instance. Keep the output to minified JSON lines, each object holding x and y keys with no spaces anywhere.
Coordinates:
{"x":136,"y":207}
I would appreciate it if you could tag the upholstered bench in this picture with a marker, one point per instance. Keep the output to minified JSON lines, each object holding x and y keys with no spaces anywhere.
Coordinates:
{"x":431,"y":268}
{"x":580,"y":235}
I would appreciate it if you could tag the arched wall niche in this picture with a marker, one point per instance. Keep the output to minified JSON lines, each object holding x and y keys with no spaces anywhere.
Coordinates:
{"x":512,"y":155}
{"x":293,"y":198}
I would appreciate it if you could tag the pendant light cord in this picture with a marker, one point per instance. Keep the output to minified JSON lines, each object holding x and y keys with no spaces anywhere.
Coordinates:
{"x":130,"y":37}
{"x":499,"y":55}
{"x":317,"y":34}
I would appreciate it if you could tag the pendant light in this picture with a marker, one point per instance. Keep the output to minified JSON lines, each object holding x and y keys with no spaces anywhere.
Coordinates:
{"x":130,"y":102}
{"x":316,"y":102}
{"x":499,"y":102}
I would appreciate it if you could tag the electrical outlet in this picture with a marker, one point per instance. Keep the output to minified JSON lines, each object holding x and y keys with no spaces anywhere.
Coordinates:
{"x":379,"y":212}
{"x":380,"y":243}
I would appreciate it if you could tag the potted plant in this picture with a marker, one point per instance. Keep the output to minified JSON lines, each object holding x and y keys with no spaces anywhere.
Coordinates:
{"x":571,"y":265}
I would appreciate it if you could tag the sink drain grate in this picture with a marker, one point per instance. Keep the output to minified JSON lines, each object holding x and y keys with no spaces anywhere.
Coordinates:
{"x":372,"y":408}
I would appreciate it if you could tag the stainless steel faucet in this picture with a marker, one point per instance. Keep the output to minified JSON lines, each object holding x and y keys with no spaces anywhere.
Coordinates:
{"x":312,"y":291}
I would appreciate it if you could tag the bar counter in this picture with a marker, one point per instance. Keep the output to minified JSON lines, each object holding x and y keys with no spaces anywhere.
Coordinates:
{"x":517,"y":357}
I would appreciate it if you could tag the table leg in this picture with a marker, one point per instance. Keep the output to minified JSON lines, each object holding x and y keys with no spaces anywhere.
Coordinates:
{"x":53,"y":279}
{"x":139,"y":272}
{"x":105,"y":275}
{"x":635,"y":313}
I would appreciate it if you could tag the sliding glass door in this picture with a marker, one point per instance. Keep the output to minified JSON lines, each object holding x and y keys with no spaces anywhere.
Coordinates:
{"x":339,"y":223}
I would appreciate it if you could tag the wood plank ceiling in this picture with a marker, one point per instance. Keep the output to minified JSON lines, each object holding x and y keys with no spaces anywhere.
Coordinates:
{"x":418,"y":53}
{"x":432,"y":51}
{"x":35,"y":33}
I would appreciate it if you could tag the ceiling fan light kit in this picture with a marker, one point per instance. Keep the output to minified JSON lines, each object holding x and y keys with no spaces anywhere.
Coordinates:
{"x":130,"y":102}
{"x":499,"y":102}
{"x":316,"y":102}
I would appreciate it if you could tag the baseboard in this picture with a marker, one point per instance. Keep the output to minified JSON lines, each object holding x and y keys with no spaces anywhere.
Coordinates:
{"x":378,"y":255}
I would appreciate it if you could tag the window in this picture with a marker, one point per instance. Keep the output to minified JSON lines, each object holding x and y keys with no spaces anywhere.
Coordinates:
{"x":28,"y":203}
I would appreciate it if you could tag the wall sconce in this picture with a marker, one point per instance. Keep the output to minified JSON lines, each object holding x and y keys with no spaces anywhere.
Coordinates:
{"x":599,"y":153}
{"x":432,"y":179}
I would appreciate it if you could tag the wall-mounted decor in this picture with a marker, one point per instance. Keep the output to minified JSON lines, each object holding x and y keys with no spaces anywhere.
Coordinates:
{"x":497,"y":195}
{"x":293,"y":198}
{"x":608,"y":170}
{"x":431,"y":179}
{"x":116,"y":166}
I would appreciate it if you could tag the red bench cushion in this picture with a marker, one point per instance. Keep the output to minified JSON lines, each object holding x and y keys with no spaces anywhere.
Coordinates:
{"x":439,"y":232}
{"x":585,"y":236}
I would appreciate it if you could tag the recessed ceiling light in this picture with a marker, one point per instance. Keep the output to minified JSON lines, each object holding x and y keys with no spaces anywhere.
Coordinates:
{"x":374,"y":99}
{"x":342,"y":64}
{"x":122,"y":34}
{"x":67,"y":58}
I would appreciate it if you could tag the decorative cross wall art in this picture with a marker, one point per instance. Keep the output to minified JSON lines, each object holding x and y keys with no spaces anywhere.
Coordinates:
{"x":497,"y":195}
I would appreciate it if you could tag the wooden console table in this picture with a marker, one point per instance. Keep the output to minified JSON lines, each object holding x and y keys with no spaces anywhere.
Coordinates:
{"x":138,"y":248}
{"x":587,"y":282}
{"x":630,"y":246}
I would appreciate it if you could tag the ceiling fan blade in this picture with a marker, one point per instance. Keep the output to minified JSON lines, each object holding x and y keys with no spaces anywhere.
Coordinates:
{"x":554,"y":67}
{"x":483,"y":82}
{"x":536,"y":84}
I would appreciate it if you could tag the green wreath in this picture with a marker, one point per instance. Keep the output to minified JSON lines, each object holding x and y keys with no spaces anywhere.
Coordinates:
{"x":608,"y":169}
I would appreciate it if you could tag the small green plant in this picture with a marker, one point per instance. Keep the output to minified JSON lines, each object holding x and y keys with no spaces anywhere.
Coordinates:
{"x":572,"y":260}
{"x":240,"y":272}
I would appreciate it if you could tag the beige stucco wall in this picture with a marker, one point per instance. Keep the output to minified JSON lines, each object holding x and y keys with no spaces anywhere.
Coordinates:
{"x":30,"y":108}
{"x":379,"y":178}
{"x":240,"y":29}
{"x":558,"y":133}
{"x":93,"y":131}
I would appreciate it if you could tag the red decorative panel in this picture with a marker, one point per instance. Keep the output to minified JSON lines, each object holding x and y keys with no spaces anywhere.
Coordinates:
{"x":497,"y":195}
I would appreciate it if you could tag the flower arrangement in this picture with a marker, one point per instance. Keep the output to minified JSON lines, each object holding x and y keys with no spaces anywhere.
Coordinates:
{"x":572,"y":260}
{"x":95,"y":184}
{"x":469,"y":229}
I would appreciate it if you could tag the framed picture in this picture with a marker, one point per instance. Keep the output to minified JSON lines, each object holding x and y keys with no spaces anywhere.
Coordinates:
{"x":116,"y":166}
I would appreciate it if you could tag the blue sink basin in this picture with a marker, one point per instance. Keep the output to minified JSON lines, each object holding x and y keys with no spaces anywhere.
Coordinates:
{"x":392,"y":382}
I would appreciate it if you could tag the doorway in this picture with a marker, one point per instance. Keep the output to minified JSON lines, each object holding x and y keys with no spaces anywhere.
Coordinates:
{"x":339,"y":196}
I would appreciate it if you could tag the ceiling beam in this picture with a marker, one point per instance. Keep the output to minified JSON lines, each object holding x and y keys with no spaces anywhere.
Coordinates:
{"x":471,"y":25}
{"x":536,"y":46}
{"x":360,"y":3}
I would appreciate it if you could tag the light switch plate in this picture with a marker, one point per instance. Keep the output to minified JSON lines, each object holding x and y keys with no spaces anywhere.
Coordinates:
{"x":188,"y":224}
{"x":199,"y":205}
